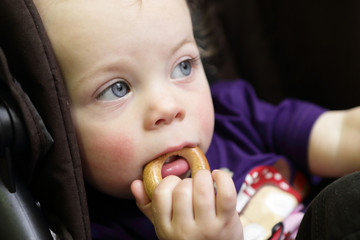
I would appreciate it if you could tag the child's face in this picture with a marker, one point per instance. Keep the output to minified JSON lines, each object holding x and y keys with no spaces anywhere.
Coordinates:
{"x":136,"y":83}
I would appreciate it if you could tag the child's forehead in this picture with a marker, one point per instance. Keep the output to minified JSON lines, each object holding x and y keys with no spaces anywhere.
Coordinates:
{"x":69,"y":20}
{"x":88,"y":35}
{"x":70,"y":14}
{"x":79,"y":5}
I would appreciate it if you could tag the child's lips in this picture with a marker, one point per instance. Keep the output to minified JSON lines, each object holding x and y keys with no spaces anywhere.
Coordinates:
{"x":176,"y":148}
{"x":177,"y":166}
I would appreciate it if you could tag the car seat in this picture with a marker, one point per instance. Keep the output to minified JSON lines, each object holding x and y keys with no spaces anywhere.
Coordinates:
{"x":51,"y":168}
{"x":303,"y":49}
{"x":16,"y":203}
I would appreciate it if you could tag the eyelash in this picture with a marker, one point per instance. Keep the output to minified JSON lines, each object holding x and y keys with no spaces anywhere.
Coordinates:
{"x":193,"y":63}
{"x":109,"y":88}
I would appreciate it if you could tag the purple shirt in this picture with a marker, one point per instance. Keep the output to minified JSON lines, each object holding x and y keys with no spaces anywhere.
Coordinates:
{"x":248,"y":133}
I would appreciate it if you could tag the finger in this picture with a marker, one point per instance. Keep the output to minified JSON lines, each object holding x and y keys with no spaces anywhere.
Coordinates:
{"x":183,"y":203}
{"x":162,"y":201}
{"x":204,"y":196}
{"x":226,"y":194}
{"x":142,"y":200}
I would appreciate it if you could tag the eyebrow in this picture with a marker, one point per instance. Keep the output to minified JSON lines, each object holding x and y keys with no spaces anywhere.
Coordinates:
{"x":185,"y":40}
{"x":94,"y":74}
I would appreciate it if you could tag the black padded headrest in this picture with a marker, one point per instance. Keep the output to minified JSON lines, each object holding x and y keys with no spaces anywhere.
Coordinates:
{"x":34,"y":79}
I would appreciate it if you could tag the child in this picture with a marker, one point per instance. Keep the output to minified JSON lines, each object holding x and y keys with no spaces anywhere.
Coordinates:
{"x":138,"y":90}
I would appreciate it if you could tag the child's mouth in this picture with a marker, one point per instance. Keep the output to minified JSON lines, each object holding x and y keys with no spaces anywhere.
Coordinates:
{"x":175,"y":165}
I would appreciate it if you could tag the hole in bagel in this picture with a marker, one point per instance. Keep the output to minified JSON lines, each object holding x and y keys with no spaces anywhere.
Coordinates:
{"x":171,"y":159}
{"x":176,"y":165}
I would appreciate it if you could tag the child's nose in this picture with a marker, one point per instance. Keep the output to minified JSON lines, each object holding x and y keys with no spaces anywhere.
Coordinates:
{"x":163,"y":111}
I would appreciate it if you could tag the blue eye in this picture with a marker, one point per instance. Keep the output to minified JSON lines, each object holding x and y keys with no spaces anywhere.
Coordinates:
{"x":181,"y":70}
{"x":115,"y":91}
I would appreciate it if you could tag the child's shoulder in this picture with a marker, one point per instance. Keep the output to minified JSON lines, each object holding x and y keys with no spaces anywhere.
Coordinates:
{"x":231,"y":85}
{"x":235,"y":88}
{"x":236,"y":94}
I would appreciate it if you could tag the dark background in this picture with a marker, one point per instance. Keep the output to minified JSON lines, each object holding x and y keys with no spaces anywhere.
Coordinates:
{"x":307,"y":49}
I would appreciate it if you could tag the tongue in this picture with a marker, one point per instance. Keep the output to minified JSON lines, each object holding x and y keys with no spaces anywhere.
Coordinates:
{"x":178,"y":167}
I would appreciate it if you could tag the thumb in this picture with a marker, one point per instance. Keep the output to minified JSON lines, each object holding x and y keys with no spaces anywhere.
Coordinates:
{"x":142,"y":200}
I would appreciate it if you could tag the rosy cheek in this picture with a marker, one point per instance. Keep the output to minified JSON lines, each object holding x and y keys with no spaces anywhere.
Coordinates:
{"x":117,"y":147}
{"x":206,"y":116}
{"x":208,"y":125}
{"x":109,"y":161}
{"x":111,"y":151}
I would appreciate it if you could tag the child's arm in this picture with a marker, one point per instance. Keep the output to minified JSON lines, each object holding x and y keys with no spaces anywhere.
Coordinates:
{"x":189,"y":209}
{"x":335,"y":143}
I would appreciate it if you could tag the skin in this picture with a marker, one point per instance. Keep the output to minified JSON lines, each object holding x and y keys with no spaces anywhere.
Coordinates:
{"x":138,"y":90}
{"x":334,"y":143}
{"x":147,"y":48}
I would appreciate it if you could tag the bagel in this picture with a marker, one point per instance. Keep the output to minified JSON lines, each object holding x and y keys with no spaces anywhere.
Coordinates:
{"x":152,"y":171}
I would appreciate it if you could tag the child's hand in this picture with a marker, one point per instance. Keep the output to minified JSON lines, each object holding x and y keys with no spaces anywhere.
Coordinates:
{"x":188,"y":208}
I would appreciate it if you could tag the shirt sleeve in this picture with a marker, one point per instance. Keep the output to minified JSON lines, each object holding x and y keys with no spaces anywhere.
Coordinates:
{"x":283,"y":129}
